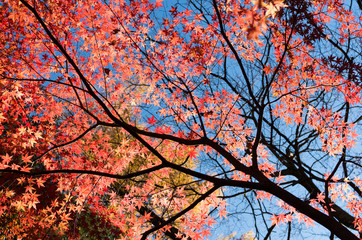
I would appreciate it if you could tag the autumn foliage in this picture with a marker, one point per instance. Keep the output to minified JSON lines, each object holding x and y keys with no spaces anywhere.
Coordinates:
{"x":144,"y":119}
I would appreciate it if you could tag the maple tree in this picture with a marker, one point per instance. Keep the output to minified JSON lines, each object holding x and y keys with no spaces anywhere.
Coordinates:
{"x":149,"y":117}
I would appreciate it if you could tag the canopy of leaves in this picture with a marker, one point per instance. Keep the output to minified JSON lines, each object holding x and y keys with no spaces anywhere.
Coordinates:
{"x":144,"y":119}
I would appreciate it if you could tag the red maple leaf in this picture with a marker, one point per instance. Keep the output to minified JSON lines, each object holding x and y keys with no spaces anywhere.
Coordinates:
{"x":152,"y":120}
